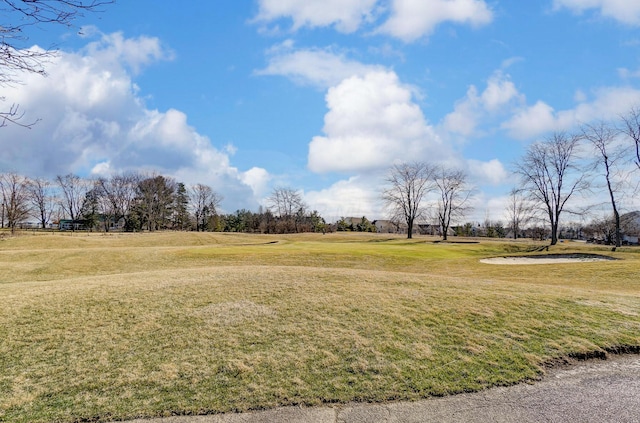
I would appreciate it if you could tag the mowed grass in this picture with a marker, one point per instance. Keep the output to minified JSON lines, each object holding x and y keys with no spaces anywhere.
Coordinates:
{"x":114,"y":327}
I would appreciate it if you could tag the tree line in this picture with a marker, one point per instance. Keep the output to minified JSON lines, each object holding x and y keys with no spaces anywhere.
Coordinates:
{"x":603,"y":157}
{"x":134,"y":202}
{"x":600,"y":157}
{"x":421,"y":190}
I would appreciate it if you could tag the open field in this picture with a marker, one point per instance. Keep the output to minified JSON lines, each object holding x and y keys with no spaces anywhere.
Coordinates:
{"x":118,"y":326}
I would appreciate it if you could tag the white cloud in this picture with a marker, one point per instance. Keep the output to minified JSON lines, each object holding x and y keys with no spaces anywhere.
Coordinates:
{"x":318,"y":67}
{"x":628,"y":74}
{"x":407,"y":20}
{"x":135,"y":53}
{"x":607,"y":103}
{"x":345,"y":15}
{"x":500,"y":91}
{"x":491,"y":172}
{"x":354,"y":197}
{"x":258,"y":179}
{"x":466,"y":114}
{"x":487,"y":206}
{"x":626,"y":11}
{"x":499,"y":96}
{"x":93,"y":122}
{"x":372,"y":122}
{"x":414,"y":19}
{"x":531,"y":121}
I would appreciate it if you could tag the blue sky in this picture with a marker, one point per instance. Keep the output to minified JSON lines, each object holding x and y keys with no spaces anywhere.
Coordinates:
{"x":321,"y":96}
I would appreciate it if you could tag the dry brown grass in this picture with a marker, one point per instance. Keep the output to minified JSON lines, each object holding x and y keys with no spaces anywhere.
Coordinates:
{"x":114,"y":327}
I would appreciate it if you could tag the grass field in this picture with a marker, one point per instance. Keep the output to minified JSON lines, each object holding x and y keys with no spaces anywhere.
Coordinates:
{"x":120,"y":326}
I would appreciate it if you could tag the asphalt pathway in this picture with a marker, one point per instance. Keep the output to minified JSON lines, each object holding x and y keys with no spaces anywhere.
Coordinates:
{"x":589,"y":391}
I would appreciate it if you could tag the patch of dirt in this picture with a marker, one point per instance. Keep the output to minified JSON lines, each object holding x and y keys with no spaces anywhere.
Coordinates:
{"x":601,"y":355}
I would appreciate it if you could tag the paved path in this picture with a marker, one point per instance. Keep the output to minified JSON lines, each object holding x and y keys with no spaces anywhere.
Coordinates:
{"x":591,"y":391}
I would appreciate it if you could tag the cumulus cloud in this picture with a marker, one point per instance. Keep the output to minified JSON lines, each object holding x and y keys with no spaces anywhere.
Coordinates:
{"x":488,"y":206}
{"x":372,"y":121}
{"x":319,"y":67}
{"x":407,"y":20}
{"x":499,"y":96}
{"x":345,"y":15}
{"x":414,"y":19}
{"x":491,"y":172}
{"x":134,"y":53}
{"x":354,"y":197}
{"x":258,"y":179}
{"x":607,"y":103}
{"x":625,"y":11}
{"x":93,"y":121}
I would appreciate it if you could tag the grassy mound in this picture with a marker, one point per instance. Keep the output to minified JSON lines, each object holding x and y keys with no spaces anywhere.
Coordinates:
{"x":112,"y":327}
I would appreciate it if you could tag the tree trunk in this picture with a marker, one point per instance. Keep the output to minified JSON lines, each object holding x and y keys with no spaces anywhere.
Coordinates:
{"x":554,"y":233}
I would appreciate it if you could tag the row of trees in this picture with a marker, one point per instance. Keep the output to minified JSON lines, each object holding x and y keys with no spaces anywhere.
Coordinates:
{"x":134,"y":201}
{"x":421,"y":190}
{"x":600,"y":156}
{"x":551,"y":172}
{"x":128,"y":201}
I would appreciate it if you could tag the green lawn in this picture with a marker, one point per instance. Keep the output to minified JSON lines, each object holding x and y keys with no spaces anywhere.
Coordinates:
{"x":119,"y":326}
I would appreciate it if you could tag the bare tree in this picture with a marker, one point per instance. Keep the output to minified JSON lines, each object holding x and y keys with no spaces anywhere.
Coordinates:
{"x":285,"y":202}
{"x":601,"y":229}
{"x":15,"y":58}
{"x":519,"y":211}
{"x":289,"y":208}
{"x":42,"y":199}
{"x":73,"y":190}
{"x":631,"y":128}
{"x":407,"y":185}
{"x":603,"y":138}
{"x":204,"y":202}
{"x":118,"y":193}
{"x":453,"y":199}
{"x":15,"y":198}
{"x":550,"y":175}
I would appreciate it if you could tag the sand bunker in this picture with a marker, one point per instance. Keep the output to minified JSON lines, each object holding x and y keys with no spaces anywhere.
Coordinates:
{"x":547,"y":259}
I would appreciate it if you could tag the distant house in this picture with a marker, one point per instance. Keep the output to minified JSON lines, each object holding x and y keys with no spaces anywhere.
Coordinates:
{"x":352,"y":221}
{"x":630,"y":223}
{"x":103,"y":223}
{"x":390,"y":227}
{"x":72,"y":225}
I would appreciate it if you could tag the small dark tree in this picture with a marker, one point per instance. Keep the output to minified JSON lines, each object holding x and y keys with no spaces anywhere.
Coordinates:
{"x":267,"y":221}
{"x":365,"y":225}
{"x":90,"y":210}
{"x":181,"y":208}
{"x":154,"y":202}
{"x":318,"y":223}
